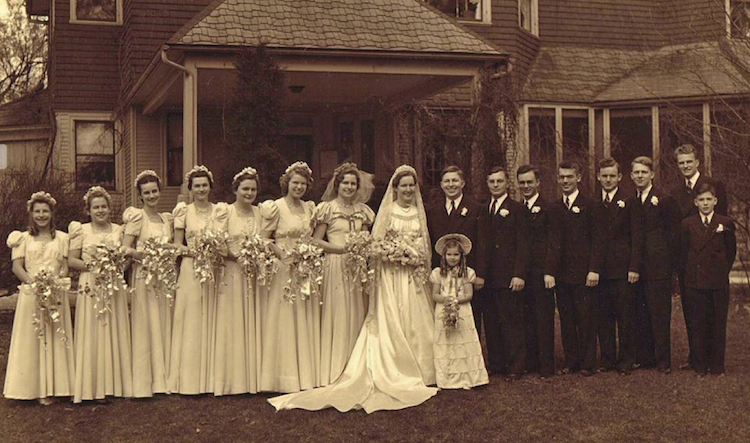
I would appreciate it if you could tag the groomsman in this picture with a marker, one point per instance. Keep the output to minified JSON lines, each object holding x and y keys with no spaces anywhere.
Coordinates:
{"x":539,"y":308}
{"x":708,"y":251}
{"x":573,"y":267}
{"x":503,"y":258}
{"x":621,"y":242}
{"x":660,"y":217}
{"x":685,"y":192}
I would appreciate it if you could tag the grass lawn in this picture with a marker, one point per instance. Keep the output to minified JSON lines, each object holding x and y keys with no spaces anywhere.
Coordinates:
{"x":645,"y":406}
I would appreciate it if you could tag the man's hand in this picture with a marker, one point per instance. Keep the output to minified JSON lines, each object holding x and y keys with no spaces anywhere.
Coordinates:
{"x":517,"y":284}
{"x":549,"y":281}
{"x":478,"y":283}
{"x":633,"y":277}
{"x":592,"y":279}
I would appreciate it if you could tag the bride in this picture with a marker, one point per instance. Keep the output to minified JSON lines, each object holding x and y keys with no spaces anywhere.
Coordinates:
{"x":391,"y":364}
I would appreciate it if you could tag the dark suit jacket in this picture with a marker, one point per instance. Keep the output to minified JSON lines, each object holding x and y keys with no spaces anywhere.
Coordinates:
{"x":660,"y":220}
{"x":539,"y":232}
{"x":620,"y":236}
{"x":571,"y":255}
{"x":707,"y":255}
{"x":685,"y":197}
{"x":461,"y":221}
{"x":503,"y":249}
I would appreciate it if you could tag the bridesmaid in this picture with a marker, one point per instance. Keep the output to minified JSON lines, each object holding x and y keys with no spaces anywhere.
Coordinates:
{"x":291,"y":331}
{"x":342,"y":211}
{"x":39,"y":365}
{"x":103,"y":358}
{"x":191,"y":369}
{"x":237,"y":362}
{"x":150,"y":308}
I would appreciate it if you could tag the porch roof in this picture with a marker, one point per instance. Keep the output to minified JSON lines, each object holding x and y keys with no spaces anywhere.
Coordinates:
{"x":363,"y":25}
{"x":31,"y":109}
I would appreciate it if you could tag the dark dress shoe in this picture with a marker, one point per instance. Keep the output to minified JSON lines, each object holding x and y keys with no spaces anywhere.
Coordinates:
{"x":685,"y":366}
{"x":512,"y":377}
{"x":566,"y":371}
{"x":665,"y":371}
{"x":586,"y":373}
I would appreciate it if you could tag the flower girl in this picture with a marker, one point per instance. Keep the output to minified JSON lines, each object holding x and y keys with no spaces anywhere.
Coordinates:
{"x":458,"y":353}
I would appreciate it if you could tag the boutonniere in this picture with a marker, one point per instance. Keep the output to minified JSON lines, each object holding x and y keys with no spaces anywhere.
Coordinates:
{"x":504,"y":212}
{"x":464,"y":211}
{"x":720,"y":228}
{"x":655,"y":200}
{"x":576,"y":210}
{"x":621,"y":203}
{"x":535,"y":209}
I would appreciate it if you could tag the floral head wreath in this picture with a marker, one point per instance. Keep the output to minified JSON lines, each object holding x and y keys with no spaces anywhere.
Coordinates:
{"x":343,"y":167}
{"x":299,"y":165}
{"x":198,"y":168}
{"x":40,"y":196}
{"x":249,"y":171}
{"x":94,"y":190}
{"x":146,"y":173}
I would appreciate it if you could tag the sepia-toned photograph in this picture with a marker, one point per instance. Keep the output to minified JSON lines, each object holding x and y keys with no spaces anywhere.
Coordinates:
{"x":375,"y":220}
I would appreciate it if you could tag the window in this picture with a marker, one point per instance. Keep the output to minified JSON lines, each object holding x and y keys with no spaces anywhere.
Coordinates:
{"x":174,"y":149}
{"x":95,"y":153}
{"x":474,"y":10}
{"x":100,"y":12}
{"x":738,"y":18}
{"x":528,"y":15}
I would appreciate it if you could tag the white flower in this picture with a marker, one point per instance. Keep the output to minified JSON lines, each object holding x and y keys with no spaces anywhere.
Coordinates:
{"x":535,"y":210}
{"x":654,"y":201}
{"x":575,"y":209}
{"x":504,"y":212}
{"x":621,"y":203}
{"x":464,"y":211}
{"x":720,"y":228}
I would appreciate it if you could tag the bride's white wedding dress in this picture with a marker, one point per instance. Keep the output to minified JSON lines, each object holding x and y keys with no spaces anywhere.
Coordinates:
{"x":392,"y":363}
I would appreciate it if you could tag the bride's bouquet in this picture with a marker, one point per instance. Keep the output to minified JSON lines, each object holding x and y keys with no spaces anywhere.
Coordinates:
{"x":49,"y":290}
{"x":257,"y":259}
{"x":358,"y":252}
{"x":208,"y":250}
{"x":159,"y":266}
{"x":107,"y":265}
{"x":402,"y":249}
{"x":305,"y":270}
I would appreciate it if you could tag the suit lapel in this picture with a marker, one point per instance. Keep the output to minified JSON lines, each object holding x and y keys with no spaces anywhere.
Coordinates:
{"x":706,"y":234}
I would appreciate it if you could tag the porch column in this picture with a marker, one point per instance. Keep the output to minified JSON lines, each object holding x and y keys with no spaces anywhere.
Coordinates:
{"x":707,"y":138}
{"x":189,"y":122}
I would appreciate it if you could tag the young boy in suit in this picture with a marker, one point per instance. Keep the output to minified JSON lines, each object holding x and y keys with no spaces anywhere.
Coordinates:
{"x":708,"y":248}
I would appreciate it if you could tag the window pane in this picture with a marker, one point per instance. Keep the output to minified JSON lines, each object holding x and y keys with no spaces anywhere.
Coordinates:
{"x":95,"y":138}
{"x":677,"y":127}
{"x":740,"y":18}
{"x":95,"y":170}
{"x":542,"y":148}
{"x":576,"y":141}
{"x":463,"y":9}
{"x":174,"y":149}
{"x":630,"y":136}
{"x":97,"y":10}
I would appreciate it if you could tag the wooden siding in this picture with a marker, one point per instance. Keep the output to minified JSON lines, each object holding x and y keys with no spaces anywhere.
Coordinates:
{"x":689,"y":21}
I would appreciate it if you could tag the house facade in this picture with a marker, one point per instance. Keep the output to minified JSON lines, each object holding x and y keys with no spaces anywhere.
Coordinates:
{"x":138,"y":84}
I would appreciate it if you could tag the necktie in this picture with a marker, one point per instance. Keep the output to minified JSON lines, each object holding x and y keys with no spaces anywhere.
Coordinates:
{"x":705,"y":222}
{"x":453,"y":207}
{"x":689,"y":185}
{"x":567,"y":202}
{"x":607,"y":200}
{"x":639,"y":196}
{"x":493,"y":208}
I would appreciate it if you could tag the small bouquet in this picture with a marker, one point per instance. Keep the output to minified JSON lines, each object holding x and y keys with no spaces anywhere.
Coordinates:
{"x":208,"y":252}
{"x":107,"y":265}
{"x":358,"y":252}
{"x":257,"y":259}
{"x":402,"y":249}
{"x":49,"y":290}
{"x":450,"y":313}
{"x":305,"y":270}
{"x":159,"y":266}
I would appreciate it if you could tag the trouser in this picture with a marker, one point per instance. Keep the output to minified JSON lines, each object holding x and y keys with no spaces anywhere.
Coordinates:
{"x":577,"y":307}
{"x":485,"y":312}
{"x":510,"y":313}
{"x":654,"y":315}
{"x":708,"y":316}
{"x":616,"y":303}
{"x":539,"y":313}
{"x":686,"y":315}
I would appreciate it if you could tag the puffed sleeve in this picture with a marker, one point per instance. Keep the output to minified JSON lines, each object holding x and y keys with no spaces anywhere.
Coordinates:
{"x":179,"y":213}
{"x":221,"y":215}
{"x":133,"y":219}
{"x":269,"y":211}
{"x":369,"y":214}
{"x":17,"y":243}
{"x":471,"y":276}
{"x":435,"y":276}
{"x":63,"y":241}
{"x":75,"y":234}
{"x":323,"y":213}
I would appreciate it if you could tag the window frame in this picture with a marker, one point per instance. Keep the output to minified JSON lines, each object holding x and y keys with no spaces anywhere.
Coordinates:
{"x":96,"y":117}
{"x":75,"y":20}
{"x":534,"y":13}
{"x":486,"y":19}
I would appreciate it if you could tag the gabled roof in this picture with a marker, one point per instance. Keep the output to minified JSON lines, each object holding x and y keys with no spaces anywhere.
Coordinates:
{"x":373,"y":25}
{"x":593,"y":75}
{"x":31,"y":109}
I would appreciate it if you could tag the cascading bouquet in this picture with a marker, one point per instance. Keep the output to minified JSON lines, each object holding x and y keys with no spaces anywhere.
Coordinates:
{"x":159,"y":266}
{"x":107,"y":265}
{"x":49,"y":290}
{"x":402,"y":249}
{"x":208,"y":250}
{"x":451,"y":306}
{"x":356,"y":261}
{"x":305,"y":270}
{"x":257,"y":259}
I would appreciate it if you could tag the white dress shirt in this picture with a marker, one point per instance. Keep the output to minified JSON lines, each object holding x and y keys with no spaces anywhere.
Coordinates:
{"x":448,"y":203}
